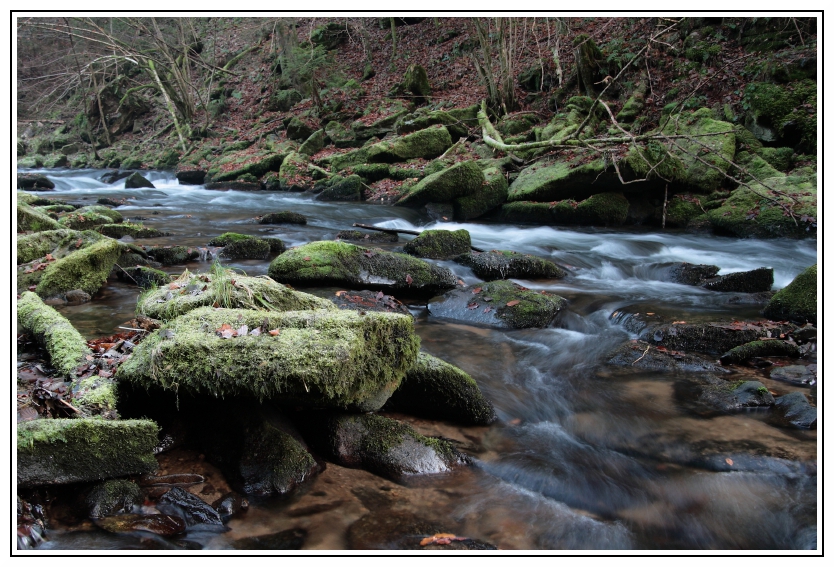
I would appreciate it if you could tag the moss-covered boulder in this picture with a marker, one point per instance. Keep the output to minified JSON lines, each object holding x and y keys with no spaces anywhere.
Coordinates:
{"x":65,"y":451}
{"x":299,"y":129}
{"x":144,"y":276}
{"x":752,"y":281}
{"x":313,"y":144}
{"x":797,"y":302}
{"x":416,"y":83}
{"x":283,"y":100}
{"x":227,"y":289}
{"x":746,"y":214}
{"x":783,"y":113}
{"x":65,"y":345}
{"x":505,"y":264}
{"x":90,"y":217}
{"x":503,"y":304}
{"x":283,"y":217}
{"x":239,"y":165}
{"x":30,"y":219}
{"x":173,"y":255}
{"x":419,"y":121}
{"x":338,"y":188}
{"x":340,"y":136}
{"x":137,"y":181}
{"x":381,"y":445}
{"x":426,"y":144}
{"x":113,"y":497}
{"x":343,"y":264}
{"x":546,"y":182}
{"x":756,"y":349}
{"x":436,"y":389}
{"x":85,"y":269}
{"x":34,"y":182}
{"x":460,"y":180}
{"x":439,"y":244}
{"x":58,"y":243}
{"x":190,"y":175}
{"x":328,"y":358}
{"x":491,"y":195}
{"x":603,"y":209}
{"x":134,"y":230}
{"x":294,"y":175}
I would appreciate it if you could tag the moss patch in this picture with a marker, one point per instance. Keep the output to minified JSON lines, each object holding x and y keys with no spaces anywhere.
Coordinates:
{"x":490,"y":195}
{"x":226,"y":289}
{"x":745,"y":352}
{"x":65,"y":345}
{"x":460,"y":180}
{"x":30,"y":219}
{"x":134,"y":230}
{"x":797,"y":302}
{"x":63,"y":451}
{"x":319,"y":358}
{"x":436,"y":389}
{"x":86,"y":269}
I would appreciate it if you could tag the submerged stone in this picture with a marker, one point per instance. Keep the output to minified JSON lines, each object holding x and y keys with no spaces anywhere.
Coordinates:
{"x":436,"y":389}
{"x":64,"y":451}
{"x":501,"y":304}
{"x":290,"y":539}
{"x":196,"y":513}
{"x":326,"y":358}
{"x":733,"y":396}
{"x":390,"y":530}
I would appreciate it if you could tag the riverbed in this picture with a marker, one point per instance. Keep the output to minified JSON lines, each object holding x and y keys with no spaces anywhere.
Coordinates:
{"x":584,"y":455}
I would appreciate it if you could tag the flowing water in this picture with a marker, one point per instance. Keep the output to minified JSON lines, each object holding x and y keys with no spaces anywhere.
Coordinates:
{"x":584,"y":455}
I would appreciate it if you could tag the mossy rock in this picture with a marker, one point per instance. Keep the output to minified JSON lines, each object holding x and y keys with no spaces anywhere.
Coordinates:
{"x":783,"y":110}
{"x":338,"y":188}
{"x":113,"y":497}
{"x":65,"y":451}
{"x":413,"y":122}
{"x":755,"y":349}
{"x":134,"y":230}
{"x":329,"y":35}
{"x":680,"y":210}
{"x":30,"y":161}
{"x":30,"y":219}
{"x":173,"y":255}
{"x":502,"y":304}
{"x":59,"y":243}
{"x":381,"y":445}
{"x":416,"y":81}
{"x":797,"y":302}
{"x":729,"y":396}
{"x":283,"y":217}
{"x":746,"y":214}
{"x":136,"y":181}
{"x":426,"y":144}
{"x":460,"y":180}
{"x":236,"y":166}
{"x":439,"y":244}
{"x":340,"y":136}
{"x":556,"y":181}
{"x":294,"y":175}
{"x":367,"y":300}
{"x":34,"y":182}
{"x":299,"y":130}
{"x":643,"y":356}
{"x":144,"y":276}
{"x":313,"y":144}
{"x":54,"y":210}
{"x":505,"y":264}
{"x":604,"y":209}
{"x":226,"y":289}
{"x":690,"y":274}
{"x":85,"y":269}
{"x":367,"y":237}
{"x":436,"y":389}
{"x":64,"y":344}
{"x":323,"y":358}
{"x":370,"y":172}
{"x":238,"y":246}
{"x":95,"y":396}
{"x":511,"y":126}
{"x":282,"y":101}
{"x":752,"y":281}
{"x":190,"y":175}
{"x":90,"y":217}
{"x":490,"y":196}
{"x":343,"y":264}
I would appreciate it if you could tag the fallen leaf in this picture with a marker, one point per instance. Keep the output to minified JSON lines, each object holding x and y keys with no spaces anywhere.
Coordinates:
{"x":472,"y":305}
{"x":49,"y":258}
{"x":678,"y":322}
{"x":306,"y":258}
{"x":255,"y":332}
{"x":78,"y":243}
{"x":243,"y":331}
{"x":488,"y":309}
{"x":729,"y":461}
{"x":341,"y":293}
{"x":477,"y":290}
{"x":408,"y":279}
{"x":275,"y":332}
{"x":380,"y":295}
{"x":513,"y":302}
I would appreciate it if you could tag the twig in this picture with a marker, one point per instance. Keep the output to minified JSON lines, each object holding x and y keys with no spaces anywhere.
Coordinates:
{"x":127,"y":274}
{"x":665,"y":201}
{"x":641,"y":357}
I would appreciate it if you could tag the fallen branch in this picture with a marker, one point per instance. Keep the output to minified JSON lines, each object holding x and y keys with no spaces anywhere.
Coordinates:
{"x":641,"y":357}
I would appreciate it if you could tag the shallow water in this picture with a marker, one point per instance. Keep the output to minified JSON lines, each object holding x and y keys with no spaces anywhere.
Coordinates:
{"x":584,"y":456}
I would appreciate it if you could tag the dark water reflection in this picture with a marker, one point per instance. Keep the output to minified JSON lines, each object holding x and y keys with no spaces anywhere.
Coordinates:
{"x":584,"y":456}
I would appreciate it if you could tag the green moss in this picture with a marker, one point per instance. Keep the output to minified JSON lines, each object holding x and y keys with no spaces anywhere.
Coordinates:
{"x":745,"y":352}
{"x":797,"y":302}
{"x":30,"y":219}
{"x":227,"y":238}
{"x":371,"y":172}
{"x":680,"y":211}
{"x":439,"y":244}
{"x":534,"y":309}
{"x":313,"y":144}
{"x":488,"y":197}
{"x":789,"y":109}
{"x":144,"y":277}
{"x":65,"y":345}
{"x":95,"y":396}
{"x":436,"y":389}
{"x":427,"y":143}
{"x":226,"y":289}
{"x":59,"y":243}
{"x":527,"y":212}
{"x":747,"y":214}
{"x":338,"y":188}
{"x":134,"y":230}
{"x":560,"y":180}
{"x":717,"y":150}
{"x":63,"y":451}
{"x":234,"y":166}
{"x":86,"y":269}
{"x":460,"y":180}
{"x":112,"y":497}
{"x":340,"y":263}
{"x":293,"y":175}
{"x":53,"y":210}
{"x":321,"y":357}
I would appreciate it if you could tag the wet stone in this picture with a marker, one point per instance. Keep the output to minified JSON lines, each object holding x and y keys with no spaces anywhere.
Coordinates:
{"x":797,"y":411}
{"x":196,"y":513}
{"x":160,"y":524}
{"x":230,"y":505}
{"x":797,"y":375}
{"x":113,"y":497}
{"x":288,"y":540}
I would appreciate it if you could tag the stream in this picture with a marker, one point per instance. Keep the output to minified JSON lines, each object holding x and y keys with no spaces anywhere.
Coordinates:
{"x":584,"y":456}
